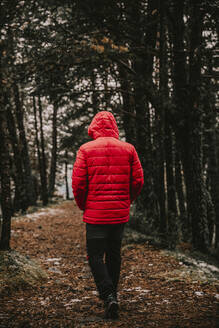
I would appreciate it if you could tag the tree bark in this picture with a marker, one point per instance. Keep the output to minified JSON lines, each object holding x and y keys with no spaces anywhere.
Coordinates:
{"x":20,"y":197}
{"x":212,"y":153}
{"x":29,"y":181}
{"x":95,"y":98}
{"x":37,"y":143}
{"x":189,"y":126}
{"x":128,"y":107}
{"x":5,"y":183}
{"x":171,"y":186}
{"x":143,"y":66}
{"x":52,"y":176}
{"x":66,"y":175}
{"x":185,"y":225}
{"x":43,"y":157}
{"x":163,"y":90}
{"x":5,"y":200}
{"x":213,"y":172}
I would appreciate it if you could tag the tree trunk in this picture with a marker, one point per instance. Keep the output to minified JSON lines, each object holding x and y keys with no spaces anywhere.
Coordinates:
{"x":163,"y":89}
{"x":6,"y":205}
{"x":38,"y":147}
{"x":66,"y":175}
{"x":171,"y":188}
{"x":143,"y":67}
{"x":43,"y":158}
{"x":29,"y":181}
{"x":189,"y":126}
{"x":212,"y":153}
{"x":5,"y":189}
{"x":185,"y":225}
{"x":128,"y":107}
{"x":213,"y":172}
{"x":20,"y":198}
{"x":197,"y":193}
{"x":160,"y":183}
{"x":95,"y":98}
{"x":5,"y":184}
{"x":107,"y":96}
{"x":52,"y":176}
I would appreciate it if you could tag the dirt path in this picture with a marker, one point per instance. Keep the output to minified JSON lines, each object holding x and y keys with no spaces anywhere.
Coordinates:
{"x":56,"y":238}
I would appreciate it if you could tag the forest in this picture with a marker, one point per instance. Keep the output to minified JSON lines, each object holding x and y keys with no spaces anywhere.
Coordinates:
{"x":153,"y":64}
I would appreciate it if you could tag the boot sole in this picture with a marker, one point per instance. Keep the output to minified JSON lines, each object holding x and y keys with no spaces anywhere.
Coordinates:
{"x":112,"y":311}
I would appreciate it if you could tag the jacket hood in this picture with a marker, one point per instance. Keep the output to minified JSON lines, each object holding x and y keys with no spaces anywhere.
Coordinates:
{"x":103,"y":125}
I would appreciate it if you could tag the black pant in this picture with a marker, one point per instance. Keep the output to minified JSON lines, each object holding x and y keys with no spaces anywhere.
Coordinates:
{"x":104,"y":240}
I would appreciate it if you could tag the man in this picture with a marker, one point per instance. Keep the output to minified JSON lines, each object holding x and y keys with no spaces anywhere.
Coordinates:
{"x":107,"y":177}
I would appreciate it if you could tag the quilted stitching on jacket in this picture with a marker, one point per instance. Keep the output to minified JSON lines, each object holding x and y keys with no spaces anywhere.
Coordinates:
{"x":107,"y":174}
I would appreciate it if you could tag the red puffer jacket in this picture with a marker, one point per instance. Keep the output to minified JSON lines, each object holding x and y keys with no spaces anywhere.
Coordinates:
{"x":107,"y":174}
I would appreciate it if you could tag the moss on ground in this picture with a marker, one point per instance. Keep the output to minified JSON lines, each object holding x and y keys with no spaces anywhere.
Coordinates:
{"x":18,"y":271}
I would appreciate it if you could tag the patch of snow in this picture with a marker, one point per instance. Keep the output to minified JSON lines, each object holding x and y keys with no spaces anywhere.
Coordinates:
{"x":208,"y":266}
{"x":144,"y":291}
{"x":130,"y":276}
{"x":204,"y":270}
{"x":75,"y":300}
{"x":166,"y":301}
{"x":203,"y":265}
{"x":54,"y":259}
{"x":137,"y":289}
{"x":44,"y":302}
{"x":4,"y":316}
{"x":199,"y":293}
{"x":50,"y":211}
{"x":55,"y":270}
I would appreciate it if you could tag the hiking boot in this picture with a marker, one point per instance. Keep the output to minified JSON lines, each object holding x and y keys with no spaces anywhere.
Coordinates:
{"x":111,"y":307}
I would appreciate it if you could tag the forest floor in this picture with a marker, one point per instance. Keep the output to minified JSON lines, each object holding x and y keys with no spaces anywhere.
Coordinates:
{"x":156,"y":288}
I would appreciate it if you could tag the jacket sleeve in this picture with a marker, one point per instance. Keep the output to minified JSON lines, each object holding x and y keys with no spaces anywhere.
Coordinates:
{"x":137,"y":176}
{"x":79,"y":179}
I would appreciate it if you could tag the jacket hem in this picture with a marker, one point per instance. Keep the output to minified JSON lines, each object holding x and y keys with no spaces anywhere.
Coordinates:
{"x":109,"y":221}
